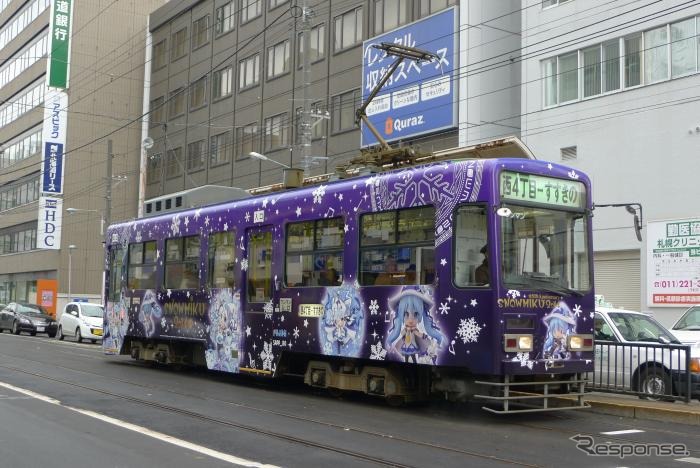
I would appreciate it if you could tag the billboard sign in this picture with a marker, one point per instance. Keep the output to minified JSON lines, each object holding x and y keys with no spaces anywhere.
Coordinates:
{"x":59,"y":50}
{"x":54,"y":136}
{"x":673,"y":263}
{"x":49,"y":223}
{"x":418,"y":98}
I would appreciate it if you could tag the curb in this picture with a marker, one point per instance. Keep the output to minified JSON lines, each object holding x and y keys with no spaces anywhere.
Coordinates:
{"x":645,"y":412}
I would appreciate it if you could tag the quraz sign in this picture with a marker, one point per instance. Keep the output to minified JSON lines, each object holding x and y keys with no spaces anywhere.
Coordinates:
{"x":49,"y":223}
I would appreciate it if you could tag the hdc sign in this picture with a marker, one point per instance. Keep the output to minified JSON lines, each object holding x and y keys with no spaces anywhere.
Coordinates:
{"x":49,"y":223}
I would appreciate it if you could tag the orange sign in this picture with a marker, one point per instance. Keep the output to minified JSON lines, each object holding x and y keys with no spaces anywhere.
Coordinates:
{"x":47,"y":295}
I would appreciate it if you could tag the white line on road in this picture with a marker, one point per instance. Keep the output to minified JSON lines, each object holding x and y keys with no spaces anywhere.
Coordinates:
{"x":142,"y":430}
{"x":689,"y":460}
{"x":626,"y":431}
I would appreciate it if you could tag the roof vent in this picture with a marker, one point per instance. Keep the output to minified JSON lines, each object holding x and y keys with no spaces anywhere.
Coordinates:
{"x":569,"y":153}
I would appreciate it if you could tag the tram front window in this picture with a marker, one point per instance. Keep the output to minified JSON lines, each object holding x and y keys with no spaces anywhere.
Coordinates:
{"x":545,"y":249}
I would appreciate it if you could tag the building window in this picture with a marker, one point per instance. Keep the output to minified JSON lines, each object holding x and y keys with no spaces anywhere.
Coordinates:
{"x":222,"y":82}
{"x":344,"y":106}
{"x":683,"y":48}
{"x":182,"y":263}
{"x":159,"y":55}
{"x":276,"y":3}
{"x":22,"y":60}
{"x":249,"y":69}
{"x":611,"y":66}
{"x":225,"y":19}
{"x":222,"y":260}
{"x":568,"y":77}
{"x":348,"y":29}
{"x":22,"y":102}
{"x":549,"y":72}
{"x":259,"y":275}
{"x":173,"y":167}
{"x":470,"y":237}
{"x":550,"y":3}
{"x":200,"y":32}
{"x":220,"y":149}
{"x":141,"y":273}
{"x":278,"y":59}
{"x":176,"y":105}
{"x":21,"y":148}
{"x":157,"y":111}
{"x":116,"y":265}
{"x":314,"y":255}
{"x":246,"y":140}
{"x":16,"y":239}
{"x":276,"y":132}
{"x":198,"y":93}
{"x":428,"y":7}
{"x":317,"y":38}
{"x":250,"y":9}
{"x":19,"y":194}
{"x":390,"y":14}
{"x":591,"y":71}
{"x":633,"y":61}
{"x":656,"y":55}
{"x":196,"y":152}
{"x":178,"y":44}
{"x":155,"y":167}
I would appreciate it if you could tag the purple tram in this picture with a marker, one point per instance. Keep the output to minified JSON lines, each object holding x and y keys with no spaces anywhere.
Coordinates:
{"x":462,"y":278}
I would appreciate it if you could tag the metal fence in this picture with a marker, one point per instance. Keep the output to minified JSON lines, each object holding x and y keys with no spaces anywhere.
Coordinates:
{"x":652,"y":370}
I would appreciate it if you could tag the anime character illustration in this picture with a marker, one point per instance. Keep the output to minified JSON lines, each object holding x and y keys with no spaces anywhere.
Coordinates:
{"x":341,"y":323}
{"x":224,"y":332}
{"x":150,"y":312}
{"x":560,"y":324}
{"x":413,"y":334}
{"x":118,"y":321}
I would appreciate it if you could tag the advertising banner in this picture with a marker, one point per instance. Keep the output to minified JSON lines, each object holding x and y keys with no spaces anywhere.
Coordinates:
{"x":54,"y":136}
{"x":59,"y":45}
{"x":673,"y":263}
{"x":49,"y":223}
{"x":419,"y":98}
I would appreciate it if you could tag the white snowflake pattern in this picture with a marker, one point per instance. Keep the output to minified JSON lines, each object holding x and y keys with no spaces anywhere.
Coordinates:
{"x":513,"y":293}
{"x":187,"y":221}
{"x":296,"y":333}
{"x":247,"y":216}
{"x":197,"y":214}
{"x":572,"y":174}
{"x":207,"y":221}
{"x":266,"y":356}
{"x":577,"y":310}
{"x":473,"y":303}
{"x":549,"y":166}
{"x":468,"y":330}
{"x":443,"y":261}
{"x":298,"y":211}
{"x":524,"y":360}
{"x":373,"y":307}
{"x":444,"y":308}
{"x":318,"y":194}
{"x":247,"y":330}
{"x":244,"y":264}
{"x":175,"y":225}
{"x":306,"y":323}
{"x":591,"y":315}
{"x":163,"y":322}
{"x":378,"y":352}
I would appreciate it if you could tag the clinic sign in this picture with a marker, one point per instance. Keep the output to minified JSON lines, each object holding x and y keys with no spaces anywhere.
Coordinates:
{"x":49,"y":223}
{"x":418,"y":98}
{"x":59,"y":46}
{"x":673,"y":263}
{"x":54,"y":136}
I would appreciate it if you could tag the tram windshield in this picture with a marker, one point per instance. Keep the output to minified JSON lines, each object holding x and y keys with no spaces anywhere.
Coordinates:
{"x":545,"y":248}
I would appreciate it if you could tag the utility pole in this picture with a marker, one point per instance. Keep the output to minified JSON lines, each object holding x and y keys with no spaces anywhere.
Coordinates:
{"x":108,"y":189}
{"x":306,"y":113}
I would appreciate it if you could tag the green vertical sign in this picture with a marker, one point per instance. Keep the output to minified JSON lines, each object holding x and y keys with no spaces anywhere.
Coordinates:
{"x":61,"y":22}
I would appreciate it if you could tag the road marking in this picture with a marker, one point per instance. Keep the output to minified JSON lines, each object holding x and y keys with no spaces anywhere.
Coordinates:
{"x":689,"y":460}
{"x":626,"y":431}
{"x":142,"y":430}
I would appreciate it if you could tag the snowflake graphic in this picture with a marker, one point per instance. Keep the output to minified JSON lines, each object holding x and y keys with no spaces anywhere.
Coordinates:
{"x":468,"y":330}
{"x":266,"y":356}
{"x":244,"y":264}
{"x":318,"y":194}
{"x":247,"y":330}
{"x":373,"y":307}
{"x":591,"y":315}
{"x":572,"y":174}
{"x":175,"y":225}
{"x":163,"y":322}
{"x":378,"y":352}
{"x":524,"y":360}
{"x":139,"y":238}
{"x":197,"y":214}
{"x":296,"y":333}
{"x":444,"y":308}
{"x":306,"y":323}
{"x":513,"y":293}
{"x":577,"y":310}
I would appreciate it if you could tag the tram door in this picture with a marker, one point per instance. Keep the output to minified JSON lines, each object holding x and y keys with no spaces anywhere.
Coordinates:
{"x":258,"y":277}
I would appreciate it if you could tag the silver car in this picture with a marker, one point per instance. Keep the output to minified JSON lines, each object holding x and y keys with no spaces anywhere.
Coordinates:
{"x":687,"y":328}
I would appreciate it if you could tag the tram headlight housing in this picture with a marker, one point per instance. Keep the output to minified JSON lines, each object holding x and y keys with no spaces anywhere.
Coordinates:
{"x":518,"y":343}
{"x":580,"y":343}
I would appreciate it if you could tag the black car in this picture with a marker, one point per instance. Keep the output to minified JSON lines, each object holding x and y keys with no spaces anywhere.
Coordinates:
{"x":31,"y":318}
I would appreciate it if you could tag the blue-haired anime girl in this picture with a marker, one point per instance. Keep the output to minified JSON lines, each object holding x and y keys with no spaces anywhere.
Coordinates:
{"x":560,"y":324}
{"x":413,"y":333}
{"x":150,"y":312}
{"x":342,"y":322}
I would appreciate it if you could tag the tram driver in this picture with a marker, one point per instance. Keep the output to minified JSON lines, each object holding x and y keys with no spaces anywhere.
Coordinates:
{"x":481,"y":274}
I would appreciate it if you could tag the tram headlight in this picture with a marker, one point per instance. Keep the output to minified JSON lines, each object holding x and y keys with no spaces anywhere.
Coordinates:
{"x":517,"y":343}
{"x":525,"y":342}
{"x":580,"y":343}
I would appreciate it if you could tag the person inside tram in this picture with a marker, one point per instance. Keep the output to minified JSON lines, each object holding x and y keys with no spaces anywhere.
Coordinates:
{"x":329,"y":275}
{"x":387,"y":276}
{"x":481,"y":274}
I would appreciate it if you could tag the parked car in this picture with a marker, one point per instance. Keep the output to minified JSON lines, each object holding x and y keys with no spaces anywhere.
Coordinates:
{"x":635,"y":353}
{"x":19,"y":317}
{"x":687,"y":328}
{"x":81,"y":320}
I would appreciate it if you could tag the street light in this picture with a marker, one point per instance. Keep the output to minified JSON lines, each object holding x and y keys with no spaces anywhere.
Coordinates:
{"x":81,"y":210}
{"x":70,"y":268}
{"x":262,"y":157}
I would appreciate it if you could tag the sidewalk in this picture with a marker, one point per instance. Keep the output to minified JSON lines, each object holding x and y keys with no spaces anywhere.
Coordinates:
{"x":632,"y":407}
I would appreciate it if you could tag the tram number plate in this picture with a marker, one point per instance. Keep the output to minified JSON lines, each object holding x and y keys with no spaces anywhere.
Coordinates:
{"x":310,"y":310}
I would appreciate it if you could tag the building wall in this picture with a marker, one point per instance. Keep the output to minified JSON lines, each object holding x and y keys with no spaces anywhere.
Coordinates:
{"x":636,"y":144}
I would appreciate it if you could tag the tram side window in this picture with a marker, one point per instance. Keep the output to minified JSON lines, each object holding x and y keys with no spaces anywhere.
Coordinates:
{"x":471,"y":257}
{"x":182,"y":263}
{"x":142,"y":265}
{"x":315,"y":253}
{"x":116,"y":263}
{"x":398,"y":247}
{"x":259,"y":273}
{"x":222,"y":254}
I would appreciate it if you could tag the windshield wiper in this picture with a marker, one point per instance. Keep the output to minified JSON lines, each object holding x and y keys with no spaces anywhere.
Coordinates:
{"x":541,"y":283}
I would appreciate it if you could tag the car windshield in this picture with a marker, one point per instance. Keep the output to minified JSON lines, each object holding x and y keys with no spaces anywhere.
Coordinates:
{"x":690,"y":320}
{"x":30,"y":309}
{"x":91,"y":310}
{"x":638,"y":327}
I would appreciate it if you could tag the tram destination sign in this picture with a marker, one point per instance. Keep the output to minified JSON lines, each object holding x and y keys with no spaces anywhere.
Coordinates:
{"x":532,"y":188}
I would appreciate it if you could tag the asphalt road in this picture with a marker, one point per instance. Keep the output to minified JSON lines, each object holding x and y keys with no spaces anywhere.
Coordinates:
{"x":64,"y":404}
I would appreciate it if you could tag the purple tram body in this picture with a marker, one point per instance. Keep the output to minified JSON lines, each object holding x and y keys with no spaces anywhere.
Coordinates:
{"x":477,"y":268}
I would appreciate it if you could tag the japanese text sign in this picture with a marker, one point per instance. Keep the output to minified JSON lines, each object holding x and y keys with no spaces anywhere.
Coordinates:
{"x":59,"y":50}
{"x":49,"y":223}
{"x":54,"y":136}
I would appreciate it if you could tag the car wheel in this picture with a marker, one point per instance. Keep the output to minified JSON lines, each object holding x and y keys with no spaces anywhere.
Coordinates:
{"x":94,"y":341}
{"x":655,"y":383}
{"x":60,"y":333}
{"x":78,"y":336}
{"x":15,"y":327}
